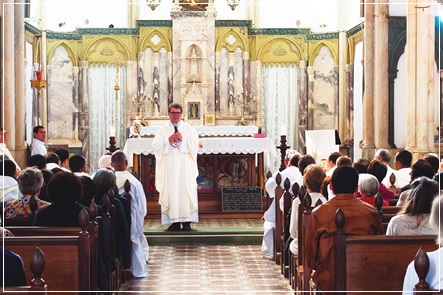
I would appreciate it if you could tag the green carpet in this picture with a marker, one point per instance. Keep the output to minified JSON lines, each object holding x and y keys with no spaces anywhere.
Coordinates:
{"x":208,"y":231}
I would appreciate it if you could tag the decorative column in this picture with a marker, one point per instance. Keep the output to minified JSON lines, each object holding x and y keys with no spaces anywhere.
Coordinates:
{"x":350,"y":100}
{"x":140,"y":85}
{"x":131,"y":91}
{"x":170,"y":89}
{"x":258,"y":90}
{"x":420,"y":77}
{"x":368,"y":95}
{"x":381,"y":95}
{"x":77,"y":124}
{"x":84,"y":110}
{"x":342,"y":102}
{"x":9,"y":72}
{"x":231,"y":64}
{"x":245,"y":82}
{"x":217,"y":82}
{"x":20,"y":96}
{"x":310,"y":117}
{"x":156,"y":90}
{"x":302,"y":107}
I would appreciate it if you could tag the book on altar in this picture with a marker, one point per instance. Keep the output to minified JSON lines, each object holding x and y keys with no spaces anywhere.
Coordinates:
{"x":259,"y":135}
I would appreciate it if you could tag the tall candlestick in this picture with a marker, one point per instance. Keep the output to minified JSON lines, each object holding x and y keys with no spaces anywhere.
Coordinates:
{"x":112,"y":131}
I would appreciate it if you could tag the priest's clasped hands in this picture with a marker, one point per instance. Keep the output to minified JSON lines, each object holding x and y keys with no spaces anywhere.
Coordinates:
{"x":175,"y":137}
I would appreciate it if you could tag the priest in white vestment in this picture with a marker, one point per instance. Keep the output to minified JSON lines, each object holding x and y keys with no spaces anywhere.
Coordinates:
{"x":140,"y":247}
{"x":175,"y":147}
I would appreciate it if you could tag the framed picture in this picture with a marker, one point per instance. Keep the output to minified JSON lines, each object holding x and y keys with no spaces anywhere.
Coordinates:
{"x":209,"y":119}
{"x":193,"y":110}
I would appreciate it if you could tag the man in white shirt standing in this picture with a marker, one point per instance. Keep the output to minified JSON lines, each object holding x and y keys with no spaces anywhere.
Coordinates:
{"x":175,"y":147}
{"x":140,"y":246}
{"x":38,"y":145}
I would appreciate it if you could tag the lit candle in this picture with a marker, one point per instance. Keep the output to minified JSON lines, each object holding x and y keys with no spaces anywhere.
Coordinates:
{"x":112,"y":131}
{"x":283,"y":129}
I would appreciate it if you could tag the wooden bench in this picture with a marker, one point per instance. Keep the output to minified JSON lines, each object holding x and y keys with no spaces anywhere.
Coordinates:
{"x":373,"y":263}
{"x":278,"y":220}
{"x":92,"y":228}
{"x":37,"y":284}
{"x":67,"y":257}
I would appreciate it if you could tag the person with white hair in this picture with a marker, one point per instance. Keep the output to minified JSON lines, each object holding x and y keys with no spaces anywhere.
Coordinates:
{"x":435,"y":273}
{"x":104,"y":162}
{"x":368,"y":186}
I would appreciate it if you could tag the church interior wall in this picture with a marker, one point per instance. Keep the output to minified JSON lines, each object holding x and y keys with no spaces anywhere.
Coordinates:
{"x":400,"y":103}
{"x":358,"y":99}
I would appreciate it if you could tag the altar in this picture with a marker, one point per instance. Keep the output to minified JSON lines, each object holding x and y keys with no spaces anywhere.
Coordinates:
{"x":222,"y":162}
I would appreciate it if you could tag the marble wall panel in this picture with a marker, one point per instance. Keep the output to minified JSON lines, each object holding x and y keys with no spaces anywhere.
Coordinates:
{"x":163,"y":82}
{"x":61,"y":104}
{"x":324,"y":90}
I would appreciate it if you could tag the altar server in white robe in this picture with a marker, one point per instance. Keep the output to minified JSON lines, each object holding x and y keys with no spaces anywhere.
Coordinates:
{"x":293,"y":173}
{"x":140,"y":247}
{"x":175,"y":147}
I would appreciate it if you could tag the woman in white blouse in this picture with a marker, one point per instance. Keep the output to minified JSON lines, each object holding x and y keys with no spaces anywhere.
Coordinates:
{"x":413,"y":219}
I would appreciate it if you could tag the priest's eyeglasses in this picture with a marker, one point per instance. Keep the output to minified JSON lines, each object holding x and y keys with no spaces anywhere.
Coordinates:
{"x":175,"y":113}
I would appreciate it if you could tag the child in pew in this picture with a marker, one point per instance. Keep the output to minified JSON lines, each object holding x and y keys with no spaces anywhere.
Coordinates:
{"x":30,"y":182}
{"x":413,"y":219}
{"x":435,"y":273}
{"x":64,"y":190}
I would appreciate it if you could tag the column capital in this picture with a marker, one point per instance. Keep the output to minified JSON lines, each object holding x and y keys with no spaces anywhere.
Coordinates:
{"x":84,"y":64}
{"x":302,"y":64}
{"x":140,"y":55}
{"x":246,"y":55}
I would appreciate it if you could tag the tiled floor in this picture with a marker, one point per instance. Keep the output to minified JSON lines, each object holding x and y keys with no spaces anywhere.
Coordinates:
{"x":210,"y":269}
{"x":212,"y":224}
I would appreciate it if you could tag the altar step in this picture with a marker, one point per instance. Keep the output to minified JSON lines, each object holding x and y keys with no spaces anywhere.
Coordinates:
{"x":208,"y":231}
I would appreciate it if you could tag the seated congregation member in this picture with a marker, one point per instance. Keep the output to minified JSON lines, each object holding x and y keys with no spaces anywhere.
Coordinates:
{"x":89,"y":190}
{"x":361,"y":219}
{"x":52,"y":161}
{"x":379,"y":169}
{"x":403,"y":160}
{"x":325,"y":189}
{"x":38,"y":161}
{"x":293,"y":173}
{"x":420,"y":168}
{"x":330,"y":163}
{"x":368,"y":186}
{"x":8,"y":184}
{"x":384,"y":156}
{"x":4,"y":151}
{"x":433,"y":161}
{"x":435,"y":274}
{"x":63,"y":154}
{"x":312,"y":179}
{"x":344,"y":161}
{"x":30,"y":182}
{"x":413,"y":219}
{"x":47,"y":175}
{"x":140,"y":247}
{"x":14,"y":269}
{"x":64,"y":190}
{"x":361,"y":165}
{"x":77,"y":164}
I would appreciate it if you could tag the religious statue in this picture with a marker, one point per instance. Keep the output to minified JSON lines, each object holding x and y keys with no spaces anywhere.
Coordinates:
{"x":193,"y":69}
{"x":194,"y":5}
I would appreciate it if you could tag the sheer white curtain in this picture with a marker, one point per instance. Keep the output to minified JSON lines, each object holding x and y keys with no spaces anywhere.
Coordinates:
{"x":279,"y":104}
{"x":102,"y":109}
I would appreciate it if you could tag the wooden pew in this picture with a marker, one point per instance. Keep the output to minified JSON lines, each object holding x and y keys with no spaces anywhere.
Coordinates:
{"x":421,"y":265}
{"x":37,"y":284}
{"x":92,"y":228}
{"x":278,"y":220}
{"x":373,"y":263}
{"x":386,"y":212}
{"x":286,"y":220}
{"x":67,"y":257}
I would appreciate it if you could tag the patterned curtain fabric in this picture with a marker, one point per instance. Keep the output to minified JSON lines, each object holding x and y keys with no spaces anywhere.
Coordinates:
{"x":102,"y":109}
{"x":279,"y":105}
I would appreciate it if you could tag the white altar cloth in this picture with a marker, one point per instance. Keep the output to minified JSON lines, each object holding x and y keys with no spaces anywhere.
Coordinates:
{"x":213,"y":145}
{"x":204,"y":131}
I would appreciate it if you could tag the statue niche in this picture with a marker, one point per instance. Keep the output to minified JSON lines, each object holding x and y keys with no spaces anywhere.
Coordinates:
{"x":194,"y":65}
{"x":194,"y":5}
